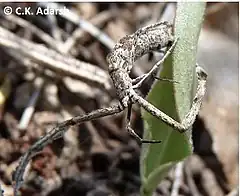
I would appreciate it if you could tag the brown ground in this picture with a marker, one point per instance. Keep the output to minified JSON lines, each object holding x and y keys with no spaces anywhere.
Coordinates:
{"x":99,"y":157}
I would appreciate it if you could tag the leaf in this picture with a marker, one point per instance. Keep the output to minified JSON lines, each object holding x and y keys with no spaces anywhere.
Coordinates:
{"x":173,"y":99}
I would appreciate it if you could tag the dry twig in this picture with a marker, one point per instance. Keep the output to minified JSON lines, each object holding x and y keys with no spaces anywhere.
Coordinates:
{"x":29,"y":110}
{"x":38,"y":32}
{"x":62,"y":64}
{"x":178,"y":179}
{"x":87,"y":26}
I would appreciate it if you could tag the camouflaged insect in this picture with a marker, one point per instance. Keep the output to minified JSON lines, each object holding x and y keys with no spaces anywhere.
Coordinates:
{"x":130,"y":48}
{"x":125,"y":53}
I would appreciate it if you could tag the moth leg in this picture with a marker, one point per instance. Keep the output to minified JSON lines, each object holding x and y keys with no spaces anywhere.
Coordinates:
{"x":139,"y":78}
{"x":154,"y":69}
{"x":54,"y":134}
{"x":132,"y":132}
{"x":190,"y":117}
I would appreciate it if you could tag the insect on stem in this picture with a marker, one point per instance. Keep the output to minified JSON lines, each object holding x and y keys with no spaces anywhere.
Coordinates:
{"x":125,"y":53}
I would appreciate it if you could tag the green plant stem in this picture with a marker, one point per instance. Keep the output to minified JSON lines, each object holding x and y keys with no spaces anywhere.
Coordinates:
{"x":173,"y":99}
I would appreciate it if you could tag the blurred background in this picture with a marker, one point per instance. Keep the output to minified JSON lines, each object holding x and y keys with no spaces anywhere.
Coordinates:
{"x":99,"y":157}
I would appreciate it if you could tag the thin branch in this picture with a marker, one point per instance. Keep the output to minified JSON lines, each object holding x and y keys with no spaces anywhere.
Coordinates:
{"x":191,"y":184}
{"x":38,"y":32}
{"x":178,"y":179}
{"x":79,"y":32}
{"x":54,"y":27}
{"x":63,"y":64}
{"x":87,"y":26}
{"x":29,"y":110}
